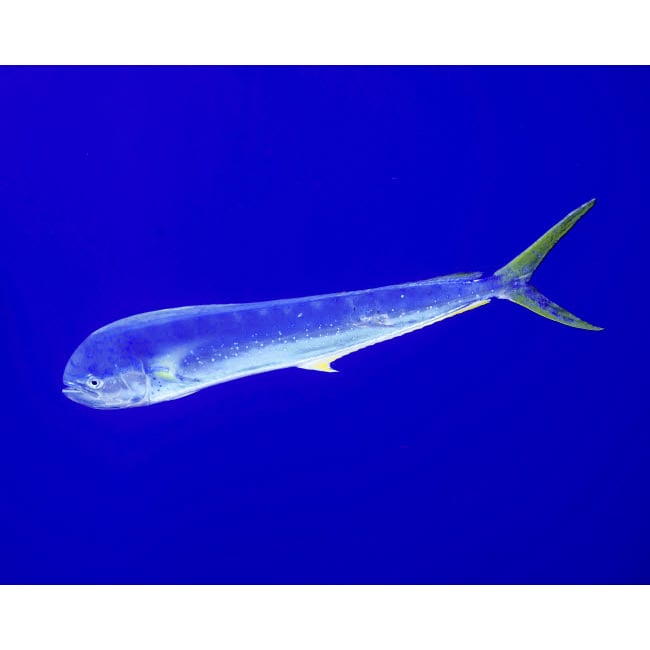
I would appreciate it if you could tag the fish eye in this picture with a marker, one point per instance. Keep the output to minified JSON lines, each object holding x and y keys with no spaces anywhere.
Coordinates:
{"x":94,"y":382}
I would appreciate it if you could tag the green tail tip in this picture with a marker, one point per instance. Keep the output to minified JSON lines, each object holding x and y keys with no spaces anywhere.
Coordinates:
{"x":516,"y":275}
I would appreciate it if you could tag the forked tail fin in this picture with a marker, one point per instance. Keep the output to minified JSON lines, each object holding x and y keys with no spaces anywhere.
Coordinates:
{"x":517,"y":274}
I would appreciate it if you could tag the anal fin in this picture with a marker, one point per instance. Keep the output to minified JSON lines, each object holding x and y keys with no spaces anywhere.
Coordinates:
{"x":323,"y":365}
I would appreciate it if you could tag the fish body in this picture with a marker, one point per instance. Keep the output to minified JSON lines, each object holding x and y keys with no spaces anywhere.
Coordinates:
{"x":167,"y":354}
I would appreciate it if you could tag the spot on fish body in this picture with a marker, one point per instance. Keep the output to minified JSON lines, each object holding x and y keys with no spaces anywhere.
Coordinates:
{"x":381,"y":320}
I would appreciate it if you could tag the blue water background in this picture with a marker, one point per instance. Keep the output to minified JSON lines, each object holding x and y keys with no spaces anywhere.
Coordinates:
{"x":493,"y":447}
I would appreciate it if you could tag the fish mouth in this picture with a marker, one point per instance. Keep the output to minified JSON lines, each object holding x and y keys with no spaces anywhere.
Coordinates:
{"x":88,"y":397}
{"x":78,"y":393}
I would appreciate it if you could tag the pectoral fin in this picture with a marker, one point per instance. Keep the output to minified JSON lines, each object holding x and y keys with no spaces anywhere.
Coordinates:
{"x":163,"y":373}
{"x":168,"y":374}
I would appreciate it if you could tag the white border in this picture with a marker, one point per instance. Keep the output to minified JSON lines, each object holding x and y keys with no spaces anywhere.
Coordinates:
{"x":333,"y":32}
{"x":311,"y":618}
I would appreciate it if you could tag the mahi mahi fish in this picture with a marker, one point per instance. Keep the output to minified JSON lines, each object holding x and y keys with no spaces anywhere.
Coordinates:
{"x":167,"y":354}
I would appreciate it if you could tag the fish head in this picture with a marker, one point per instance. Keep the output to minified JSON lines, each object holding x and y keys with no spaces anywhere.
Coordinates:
{"x":103,"y":373}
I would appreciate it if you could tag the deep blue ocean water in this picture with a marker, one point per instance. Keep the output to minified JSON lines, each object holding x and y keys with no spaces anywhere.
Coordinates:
{"x":493,"y":447}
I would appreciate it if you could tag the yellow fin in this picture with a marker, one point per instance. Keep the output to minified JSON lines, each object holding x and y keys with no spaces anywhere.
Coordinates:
{"x":462,"y":310}
{"x":323,"y":365}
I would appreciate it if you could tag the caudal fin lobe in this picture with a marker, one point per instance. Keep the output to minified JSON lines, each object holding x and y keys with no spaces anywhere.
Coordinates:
{"x":517,"y":274}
